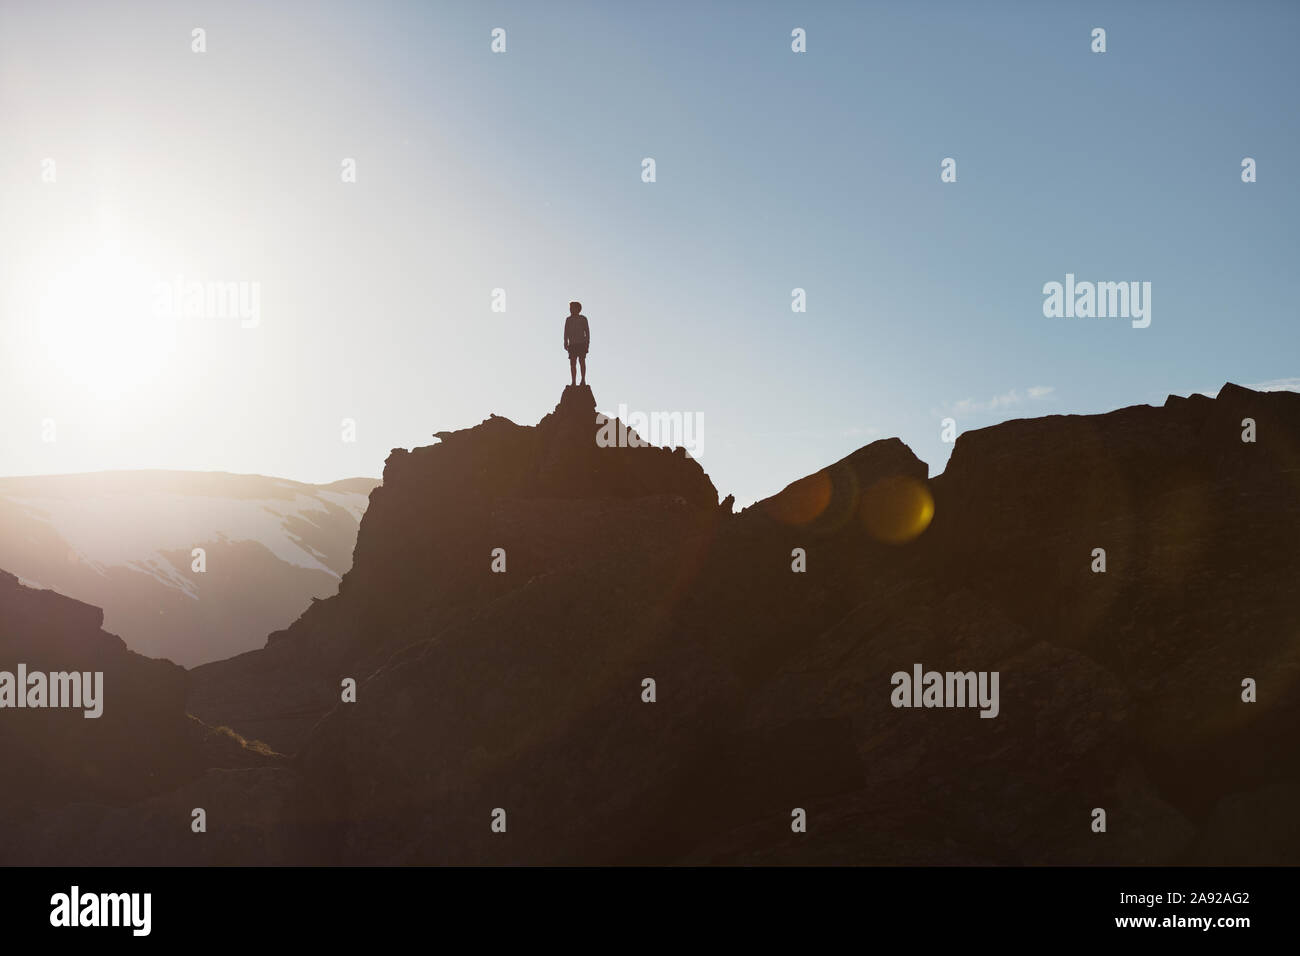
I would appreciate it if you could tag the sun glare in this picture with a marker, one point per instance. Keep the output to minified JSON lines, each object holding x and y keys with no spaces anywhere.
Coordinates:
{"x":95,"y":325}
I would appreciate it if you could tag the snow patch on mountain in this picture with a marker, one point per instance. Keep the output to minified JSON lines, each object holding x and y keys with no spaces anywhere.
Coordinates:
{"x":136,"y":530}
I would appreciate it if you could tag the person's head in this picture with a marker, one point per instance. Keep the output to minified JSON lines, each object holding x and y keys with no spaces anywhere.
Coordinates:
{"x":575,"y":308}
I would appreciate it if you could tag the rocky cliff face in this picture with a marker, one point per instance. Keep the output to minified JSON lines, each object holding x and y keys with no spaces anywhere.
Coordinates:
{"x":422,"y":561}
{"x":525,"y":690}
{"x":1200,"y":533}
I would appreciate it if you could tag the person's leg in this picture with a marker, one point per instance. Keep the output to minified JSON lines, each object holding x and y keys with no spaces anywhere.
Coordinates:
{"x":582,"y":360}
{"x":573,"y":371}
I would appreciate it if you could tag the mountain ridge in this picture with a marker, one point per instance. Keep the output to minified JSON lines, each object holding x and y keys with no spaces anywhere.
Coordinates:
{"x":523,"y":689}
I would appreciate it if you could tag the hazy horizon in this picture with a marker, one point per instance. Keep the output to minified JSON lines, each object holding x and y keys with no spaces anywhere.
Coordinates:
{"x":1292,"y":385}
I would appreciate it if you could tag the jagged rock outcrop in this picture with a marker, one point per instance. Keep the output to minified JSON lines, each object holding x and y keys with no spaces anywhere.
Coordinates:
{"x":525,"y":690}
{"x":421,"y":564}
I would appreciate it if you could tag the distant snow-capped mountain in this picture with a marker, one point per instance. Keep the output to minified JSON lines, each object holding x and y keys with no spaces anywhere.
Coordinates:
{"x":126,"y":541}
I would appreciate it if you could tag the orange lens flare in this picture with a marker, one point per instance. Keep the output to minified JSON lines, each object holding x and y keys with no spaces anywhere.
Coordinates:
{"x":802,"y":502}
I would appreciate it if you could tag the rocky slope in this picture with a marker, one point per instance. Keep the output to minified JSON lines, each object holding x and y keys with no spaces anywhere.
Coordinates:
{"x":523,"y":690}
{"x":64,"y":771}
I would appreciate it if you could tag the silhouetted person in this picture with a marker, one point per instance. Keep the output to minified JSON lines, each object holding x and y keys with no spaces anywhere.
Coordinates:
{"x":577,"y":336}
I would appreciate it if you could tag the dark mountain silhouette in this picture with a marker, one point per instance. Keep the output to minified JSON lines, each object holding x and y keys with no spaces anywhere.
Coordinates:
{"x":78,"y":788}
{"x":123,"y":540}
{"x":522,"y":690}
{"x":546,"y":494}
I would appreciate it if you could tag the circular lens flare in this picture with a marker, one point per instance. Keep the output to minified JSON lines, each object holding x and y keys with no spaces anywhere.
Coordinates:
{"x":897,"y":509}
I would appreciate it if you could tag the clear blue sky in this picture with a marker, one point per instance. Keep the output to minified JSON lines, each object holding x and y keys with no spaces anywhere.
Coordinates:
{"x":522,"y":171}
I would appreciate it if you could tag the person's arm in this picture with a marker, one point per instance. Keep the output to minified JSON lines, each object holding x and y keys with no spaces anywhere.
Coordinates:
{"x":586,"y":332}
{"x":566,"y":335}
